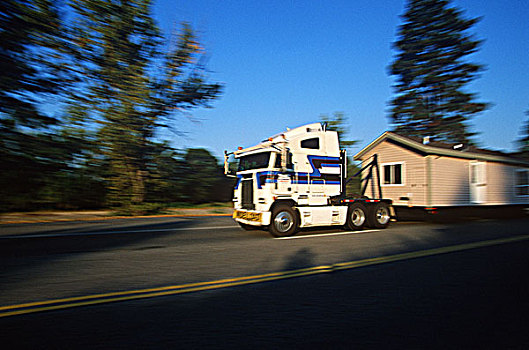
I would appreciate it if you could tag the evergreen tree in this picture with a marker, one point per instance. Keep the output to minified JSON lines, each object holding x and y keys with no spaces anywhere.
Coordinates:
{"x":130,"y":88}
{"x":431,"y":72}
{"x":338,"y":122}
{"x":28,"y":30}
{"x":31,"y":152}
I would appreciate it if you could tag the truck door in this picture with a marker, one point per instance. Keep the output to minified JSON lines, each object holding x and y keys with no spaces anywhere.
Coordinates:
{"x":284,"y":184}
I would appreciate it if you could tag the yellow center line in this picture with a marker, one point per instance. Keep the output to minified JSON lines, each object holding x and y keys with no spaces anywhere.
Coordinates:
{"x":65,"y":303}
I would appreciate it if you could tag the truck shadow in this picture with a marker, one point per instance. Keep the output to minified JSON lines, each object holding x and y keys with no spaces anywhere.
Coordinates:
{"x":302,"y":258}
{"x":24,"y":253}
{"x":462,"y":214}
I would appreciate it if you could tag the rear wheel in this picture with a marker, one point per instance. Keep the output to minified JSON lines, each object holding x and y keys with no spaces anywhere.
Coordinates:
{"x":380,"y":216}
{"x":356,"y":216}
{"x":284,"y":221}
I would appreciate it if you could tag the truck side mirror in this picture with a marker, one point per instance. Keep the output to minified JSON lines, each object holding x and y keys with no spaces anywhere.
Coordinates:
{"x":227,"y":170}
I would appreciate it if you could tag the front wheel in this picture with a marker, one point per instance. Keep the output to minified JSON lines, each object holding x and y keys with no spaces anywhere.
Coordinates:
{"x":284,"y":221}
{"x":356,"y":216}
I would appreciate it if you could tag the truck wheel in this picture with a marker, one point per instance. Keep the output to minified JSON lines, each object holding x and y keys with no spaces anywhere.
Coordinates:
{"x":379,"y":217}
{"x":284,"y":221}
{"x":356,"y":216}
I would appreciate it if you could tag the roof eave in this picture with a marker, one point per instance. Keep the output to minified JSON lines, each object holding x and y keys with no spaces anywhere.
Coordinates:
{"x":429,"y":150}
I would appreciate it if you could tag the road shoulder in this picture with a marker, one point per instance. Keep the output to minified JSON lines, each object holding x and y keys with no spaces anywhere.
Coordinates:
{"x":93,"y":215}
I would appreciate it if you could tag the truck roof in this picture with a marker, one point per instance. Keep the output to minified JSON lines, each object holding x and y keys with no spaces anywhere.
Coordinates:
{"x":289,"y":134}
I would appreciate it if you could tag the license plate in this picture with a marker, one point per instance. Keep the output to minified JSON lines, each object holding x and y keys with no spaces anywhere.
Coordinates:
{"x":246,"y":215}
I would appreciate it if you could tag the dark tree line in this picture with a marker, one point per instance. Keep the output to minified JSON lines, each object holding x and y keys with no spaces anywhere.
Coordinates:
{"x":82,"y":100}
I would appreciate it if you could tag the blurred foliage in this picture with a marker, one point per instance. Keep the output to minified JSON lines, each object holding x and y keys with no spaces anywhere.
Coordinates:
{"x":112,"y":81}
{"x":204,"y":178}
{"x":338,"y":122}
{"x":32,"y":153}
{"x":125,"y":83}
{"x":431,"y":74}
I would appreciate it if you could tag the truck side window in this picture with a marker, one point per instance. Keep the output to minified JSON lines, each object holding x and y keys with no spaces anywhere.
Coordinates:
{"x":313,"y":143}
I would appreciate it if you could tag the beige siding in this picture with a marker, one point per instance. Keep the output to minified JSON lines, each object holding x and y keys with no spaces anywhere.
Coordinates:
{"x":414,"y":175}
{"x":501,"y":182}
{"x":450,"y":181}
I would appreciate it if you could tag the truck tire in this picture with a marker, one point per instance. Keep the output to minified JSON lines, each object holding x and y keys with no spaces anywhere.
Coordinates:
{"x":379,"y":216}
{"x":284,"y":221}
{"x":356,"y":216}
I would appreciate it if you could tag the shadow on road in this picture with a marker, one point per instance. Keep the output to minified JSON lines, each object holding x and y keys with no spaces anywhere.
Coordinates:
{"x":302,"y":258}
{"x":20,"y":254}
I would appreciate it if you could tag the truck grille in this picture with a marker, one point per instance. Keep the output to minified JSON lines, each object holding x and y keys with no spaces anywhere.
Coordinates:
{"x":247,"y":194}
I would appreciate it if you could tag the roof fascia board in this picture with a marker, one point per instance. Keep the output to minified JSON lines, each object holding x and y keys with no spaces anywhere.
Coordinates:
{"x":429,"y":150}
{"x":371,"y":145}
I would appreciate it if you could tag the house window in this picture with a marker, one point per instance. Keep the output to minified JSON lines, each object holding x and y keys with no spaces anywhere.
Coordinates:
{"x":313,"y":143}
{"x":392,"y":174}
{"x":522,"y":182}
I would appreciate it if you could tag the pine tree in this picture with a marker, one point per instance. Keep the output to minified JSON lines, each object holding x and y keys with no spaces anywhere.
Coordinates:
{"x":130,"y":88}
{"x":431,"y":72}
{"x":338,"y":123}
{"x":28,"y":30}
{"x":31,"y":152}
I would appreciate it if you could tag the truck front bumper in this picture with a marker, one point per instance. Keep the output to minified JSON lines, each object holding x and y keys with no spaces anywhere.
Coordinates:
{"x":252,"y":217}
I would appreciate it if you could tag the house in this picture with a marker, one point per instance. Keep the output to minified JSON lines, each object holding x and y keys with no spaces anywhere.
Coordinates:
{"x":422,"y":173}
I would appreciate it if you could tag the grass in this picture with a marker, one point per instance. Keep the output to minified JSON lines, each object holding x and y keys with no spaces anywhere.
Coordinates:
{"x":160,"y":208}
{"x":183,"y":205}
{"x":131,"y":210}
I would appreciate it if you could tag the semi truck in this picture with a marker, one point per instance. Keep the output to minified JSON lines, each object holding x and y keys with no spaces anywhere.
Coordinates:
{"x":297,"y":179}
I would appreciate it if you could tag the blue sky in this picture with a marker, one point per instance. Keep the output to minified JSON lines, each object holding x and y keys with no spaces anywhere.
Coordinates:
{"x":284,"y":63}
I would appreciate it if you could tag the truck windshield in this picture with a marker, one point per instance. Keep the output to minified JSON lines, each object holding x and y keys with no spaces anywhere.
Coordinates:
{"x":254,"y":161}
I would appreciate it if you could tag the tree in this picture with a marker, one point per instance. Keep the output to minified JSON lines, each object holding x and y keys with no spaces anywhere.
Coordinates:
{"x":128,"y":87}
{"x":431,"y":99}
{"x":30,"y":150}
{"x":201,"y":175}
{"x":28,"y":30}
{"x":338,"y":123}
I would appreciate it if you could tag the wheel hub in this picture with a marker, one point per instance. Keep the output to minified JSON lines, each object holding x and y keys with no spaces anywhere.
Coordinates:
{"x":358,"y":217}
{"x":382,"y":216}
{"x":283,"y":221}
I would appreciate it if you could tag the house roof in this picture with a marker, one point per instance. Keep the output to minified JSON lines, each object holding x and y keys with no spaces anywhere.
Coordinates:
{"x":443,"y":149}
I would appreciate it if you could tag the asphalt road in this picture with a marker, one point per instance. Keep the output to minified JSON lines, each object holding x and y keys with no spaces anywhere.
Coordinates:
{"x":459,"y":298}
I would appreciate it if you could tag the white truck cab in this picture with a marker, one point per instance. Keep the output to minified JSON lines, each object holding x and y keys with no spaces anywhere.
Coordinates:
{"x":297,"y":179}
